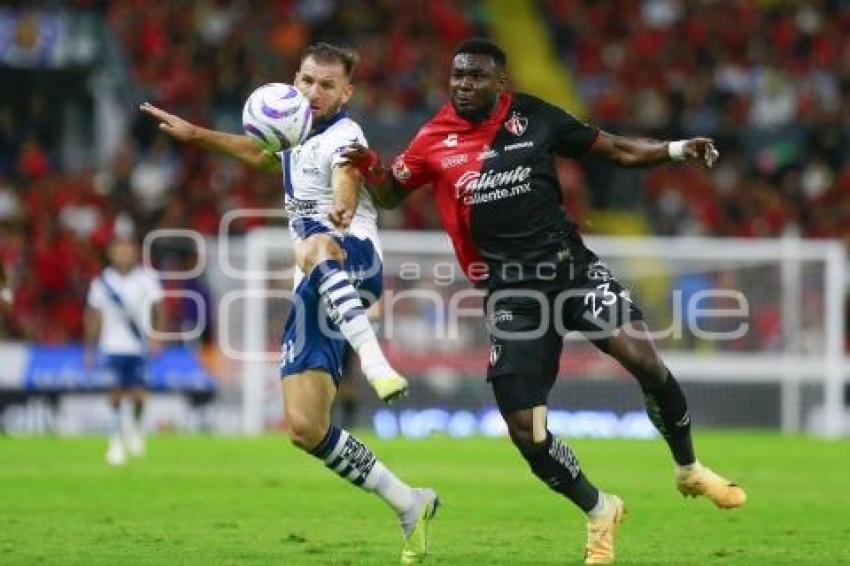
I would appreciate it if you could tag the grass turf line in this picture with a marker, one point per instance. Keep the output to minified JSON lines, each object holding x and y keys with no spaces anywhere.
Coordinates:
{"x":199,"y":500}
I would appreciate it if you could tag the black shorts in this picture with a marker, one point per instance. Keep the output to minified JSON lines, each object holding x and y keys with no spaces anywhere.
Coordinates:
{"x":527,"y":327}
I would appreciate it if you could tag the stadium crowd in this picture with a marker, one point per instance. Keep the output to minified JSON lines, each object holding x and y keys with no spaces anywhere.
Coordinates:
{"x":773,"y":89}
{"x":770,"y":81}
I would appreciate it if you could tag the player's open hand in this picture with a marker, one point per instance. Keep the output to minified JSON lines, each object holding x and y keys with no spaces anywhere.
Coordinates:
{"x":341,"y":216}
{"x":357,"y":155}
{"x":366,"y":161}
{"x":174,"y":126}
{"x":702,"y":149}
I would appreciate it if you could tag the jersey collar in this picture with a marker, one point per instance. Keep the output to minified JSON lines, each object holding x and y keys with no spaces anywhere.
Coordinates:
{"x":321,"y":126}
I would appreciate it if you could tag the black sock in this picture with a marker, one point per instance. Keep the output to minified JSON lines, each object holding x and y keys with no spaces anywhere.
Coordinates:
{"x":668,"y":411}
{"x":115,"y":419}
{"x":138,"y":407}
{"x":556,"y":464}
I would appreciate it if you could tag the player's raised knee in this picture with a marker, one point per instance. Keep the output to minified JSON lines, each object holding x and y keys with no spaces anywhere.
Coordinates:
{"x":315,"y":250}
{"x":304,"y":432}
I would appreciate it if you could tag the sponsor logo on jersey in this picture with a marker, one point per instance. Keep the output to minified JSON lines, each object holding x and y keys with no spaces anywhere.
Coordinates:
{"x":400,"y":170}
{"x":503,"y":315}
{"x":487,"y":152}
{"x":311,"y":171}
{"x":519,"y":145}
{"x":472,"y":181}
{"x":450,"y":141}
{"x":517,"y":124}
{"x":453,"y":161}
{"x":299,"y":207}
{"x":478,"y":188}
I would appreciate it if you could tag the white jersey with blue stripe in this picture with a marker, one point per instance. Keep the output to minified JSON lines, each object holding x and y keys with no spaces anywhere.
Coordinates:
{"x":307,"y":172}
{"x":121,"y":298}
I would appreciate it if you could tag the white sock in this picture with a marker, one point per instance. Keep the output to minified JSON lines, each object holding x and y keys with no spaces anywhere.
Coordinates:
{"x":346,"y":309}
{"x":386,"y":484}
{"x":601,"y":507}
{"x":372,"y":360}
{"x":352,"y":460}
{"x":688,"y":468}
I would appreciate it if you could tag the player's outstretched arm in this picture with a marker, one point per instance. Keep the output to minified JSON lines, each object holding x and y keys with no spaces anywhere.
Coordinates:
{"x":385,"y":190}
{"x":346,"y":181}
{"x":239,"y":147}
{"x":639,"y":152}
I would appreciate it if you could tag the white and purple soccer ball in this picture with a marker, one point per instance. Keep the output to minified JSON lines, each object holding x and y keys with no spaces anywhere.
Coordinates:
{"x":276,"y":116}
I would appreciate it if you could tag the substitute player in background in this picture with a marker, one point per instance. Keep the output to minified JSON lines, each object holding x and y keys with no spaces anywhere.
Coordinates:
{"x":489,"y":155}
{"x":323,"y":199}
{"x":115,"y":328}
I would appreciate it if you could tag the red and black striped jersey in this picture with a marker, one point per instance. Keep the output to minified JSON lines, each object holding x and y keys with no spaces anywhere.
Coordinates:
{"x":495,"y":185}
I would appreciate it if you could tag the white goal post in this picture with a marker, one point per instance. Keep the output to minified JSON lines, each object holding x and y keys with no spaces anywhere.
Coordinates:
{"x":796,"y":286}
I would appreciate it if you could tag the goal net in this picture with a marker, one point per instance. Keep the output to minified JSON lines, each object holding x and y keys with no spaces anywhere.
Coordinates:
{"x":753,"y":328}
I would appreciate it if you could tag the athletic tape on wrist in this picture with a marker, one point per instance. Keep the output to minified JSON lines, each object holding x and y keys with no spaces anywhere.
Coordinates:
{"x":676,"y":150}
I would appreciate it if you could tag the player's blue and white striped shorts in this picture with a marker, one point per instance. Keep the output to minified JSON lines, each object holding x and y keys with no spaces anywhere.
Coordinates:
{"x":311,"y":340}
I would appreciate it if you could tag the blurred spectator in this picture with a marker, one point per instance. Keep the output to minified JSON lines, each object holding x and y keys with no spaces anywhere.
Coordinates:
{"x":773,"y":87}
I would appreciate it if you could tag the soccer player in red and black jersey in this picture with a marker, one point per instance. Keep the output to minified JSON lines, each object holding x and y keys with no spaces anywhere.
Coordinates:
{"x":489,"y":155}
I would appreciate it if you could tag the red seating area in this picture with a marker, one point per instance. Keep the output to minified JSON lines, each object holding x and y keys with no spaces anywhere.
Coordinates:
{"x":769,"y":81}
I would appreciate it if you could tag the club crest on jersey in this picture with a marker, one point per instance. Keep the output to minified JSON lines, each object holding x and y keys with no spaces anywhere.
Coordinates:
{"x":517,"y":124}
{"x":450,"y":141}
{"x":400,"y":169}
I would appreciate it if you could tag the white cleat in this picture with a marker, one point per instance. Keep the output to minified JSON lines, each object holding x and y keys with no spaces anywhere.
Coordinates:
{"x":116,"y":455}
{"x":136,"y":443}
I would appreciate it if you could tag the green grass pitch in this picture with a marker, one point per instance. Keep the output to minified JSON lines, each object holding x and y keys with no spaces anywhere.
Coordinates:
{"x":199,"y":500}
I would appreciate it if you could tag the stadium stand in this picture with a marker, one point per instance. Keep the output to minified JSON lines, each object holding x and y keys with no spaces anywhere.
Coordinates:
{"x":661,"y":67}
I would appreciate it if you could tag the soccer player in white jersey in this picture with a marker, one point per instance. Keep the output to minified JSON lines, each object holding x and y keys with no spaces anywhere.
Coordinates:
{"x":115,"y":327}
{"x":333,"y":225}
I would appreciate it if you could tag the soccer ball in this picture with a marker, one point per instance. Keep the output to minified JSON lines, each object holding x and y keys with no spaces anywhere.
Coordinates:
{"x":276,"y":116}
